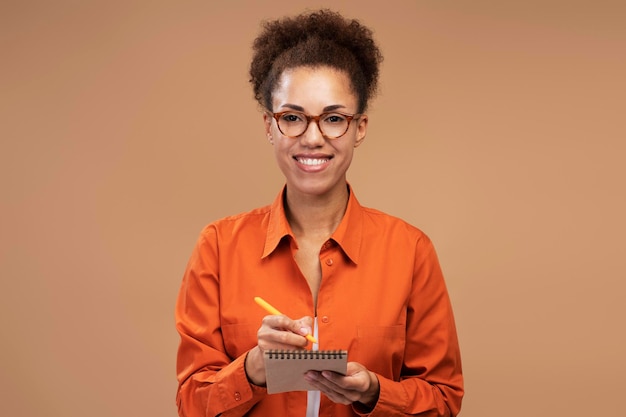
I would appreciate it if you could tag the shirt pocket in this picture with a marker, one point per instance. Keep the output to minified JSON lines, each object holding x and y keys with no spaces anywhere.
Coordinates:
{"x":380,"y":349}
{"x":239,"y":338}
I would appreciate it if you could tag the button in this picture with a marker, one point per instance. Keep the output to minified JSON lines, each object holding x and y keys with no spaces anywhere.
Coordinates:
{"x":329,"y":261}
{"x":325,"y":319}
{"x":237,"y":396}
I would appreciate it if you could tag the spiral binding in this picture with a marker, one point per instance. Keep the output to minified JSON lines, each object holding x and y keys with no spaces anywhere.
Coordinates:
{"x":306,"y":354}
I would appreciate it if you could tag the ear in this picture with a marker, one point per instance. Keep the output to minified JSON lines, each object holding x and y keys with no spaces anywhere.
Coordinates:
{"x":267,"y":123}
{"x":361,"y":130}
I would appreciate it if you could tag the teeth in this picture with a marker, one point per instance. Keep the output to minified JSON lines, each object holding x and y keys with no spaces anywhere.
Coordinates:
{"x":312,"y":161}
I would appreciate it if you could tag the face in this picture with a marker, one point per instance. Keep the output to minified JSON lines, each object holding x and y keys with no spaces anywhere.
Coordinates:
{"x":312,"y":164}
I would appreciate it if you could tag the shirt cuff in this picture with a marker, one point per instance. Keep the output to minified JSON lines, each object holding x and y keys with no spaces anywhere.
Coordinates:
{"x":235,"y":388}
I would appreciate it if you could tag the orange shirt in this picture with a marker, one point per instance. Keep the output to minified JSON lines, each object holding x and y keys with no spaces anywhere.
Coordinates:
{"x":382,"y":297}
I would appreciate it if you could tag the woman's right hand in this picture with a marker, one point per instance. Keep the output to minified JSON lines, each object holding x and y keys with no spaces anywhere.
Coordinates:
{"x":276,"y":332}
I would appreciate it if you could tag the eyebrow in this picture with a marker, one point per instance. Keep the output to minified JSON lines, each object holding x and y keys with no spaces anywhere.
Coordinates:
{"x":326,"y":109}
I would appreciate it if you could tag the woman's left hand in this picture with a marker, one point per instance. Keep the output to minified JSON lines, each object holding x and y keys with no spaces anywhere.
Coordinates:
{"x":358,"y":385}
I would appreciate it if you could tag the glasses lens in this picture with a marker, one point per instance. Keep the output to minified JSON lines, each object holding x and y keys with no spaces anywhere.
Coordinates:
{"x":292,"y":123}
{"x":333,"y":125}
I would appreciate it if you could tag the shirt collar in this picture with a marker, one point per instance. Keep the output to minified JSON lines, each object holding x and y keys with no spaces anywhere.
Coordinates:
{"x":278,"y":226}
{"x":348,"y":234}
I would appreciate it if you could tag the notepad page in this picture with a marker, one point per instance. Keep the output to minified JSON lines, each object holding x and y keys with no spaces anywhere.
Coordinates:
{"x":285,"y":369}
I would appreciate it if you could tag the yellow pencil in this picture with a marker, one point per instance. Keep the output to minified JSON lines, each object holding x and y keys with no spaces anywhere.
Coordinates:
{"x":272,"y":310}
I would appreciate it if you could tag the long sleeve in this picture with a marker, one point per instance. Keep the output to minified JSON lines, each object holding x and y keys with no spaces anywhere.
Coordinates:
{"x":431,"y":383}
{"x":210,"y":382}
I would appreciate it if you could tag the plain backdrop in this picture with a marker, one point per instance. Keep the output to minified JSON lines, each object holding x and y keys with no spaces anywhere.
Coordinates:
{"x":126,"y":126}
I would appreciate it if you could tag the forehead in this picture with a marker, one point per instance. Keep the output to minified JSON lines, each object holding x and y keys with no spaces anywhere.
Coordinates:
{"x":313,"y":88}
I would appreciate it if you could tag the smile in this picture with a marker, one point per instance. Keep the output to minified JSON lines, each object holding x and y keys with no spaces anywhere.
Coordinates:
{"x":312,"y":161}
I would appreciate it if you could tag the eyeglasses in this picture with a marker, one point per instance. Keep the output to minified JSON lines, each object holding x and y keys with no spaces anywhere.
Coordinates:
{"x":332,"y":125}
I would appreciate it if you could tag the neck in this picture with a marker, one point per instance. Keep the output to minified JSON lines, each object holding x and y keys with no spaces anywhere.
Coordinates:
{"x":316,"y":216}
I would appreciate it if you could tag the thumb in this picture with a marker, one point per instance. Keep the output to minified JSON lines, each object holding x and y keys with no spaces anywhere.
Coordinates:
{"x":304,"y":326}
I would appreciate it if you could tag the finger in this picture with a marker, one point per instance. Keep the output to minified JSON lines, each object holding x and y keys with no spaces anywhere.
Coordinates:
{"x":352,"y":382}
{"x":318,"y":382}
{"x":354,"y":387}
{"x":304,"y":326}
{"x":281,"y":330}
{"x":285,"y":323}
{"x":359,"y":385}
{"x":332,"y":390}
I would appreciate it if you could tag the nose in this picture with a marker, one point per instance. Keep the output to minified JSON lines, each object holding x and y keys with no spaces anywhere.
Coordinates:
{"x":312,"y":136}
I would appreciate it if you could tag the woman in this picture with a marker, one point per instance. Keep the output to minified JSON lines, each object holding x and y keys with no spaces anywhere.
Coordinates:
{"x":357,"y":278}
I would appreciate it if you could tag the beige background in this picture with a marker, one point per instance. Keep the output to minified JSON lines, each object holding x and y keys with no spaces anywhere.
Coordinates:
{"x":127,"y":126}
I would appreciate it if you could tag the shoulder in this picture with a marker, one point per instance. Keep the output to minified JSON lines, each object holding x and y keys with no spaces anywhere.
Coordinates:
{"x":387,"y":226}
{"x":378,"y":218}
{"x":237,"y":223}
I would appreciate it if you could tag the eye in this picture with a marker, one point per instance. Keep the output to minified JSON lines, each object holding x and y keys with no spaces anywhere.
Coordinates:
{"x":334,"y":118}
{"x":292,"y":117}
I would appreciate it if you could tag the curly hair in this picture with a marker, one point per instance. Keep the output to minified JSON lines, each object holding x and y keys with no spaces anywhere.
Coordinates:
{"x":312,"y":39}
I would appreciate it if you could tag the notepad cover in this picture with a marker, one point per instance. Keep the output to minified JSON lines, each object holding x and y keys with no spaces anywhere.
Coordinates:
{"x":285,"y":370}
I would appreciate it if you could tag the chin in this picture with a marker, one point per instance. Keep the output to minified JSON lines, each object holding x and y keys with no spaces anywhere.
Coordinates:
{"x":315,"y":187}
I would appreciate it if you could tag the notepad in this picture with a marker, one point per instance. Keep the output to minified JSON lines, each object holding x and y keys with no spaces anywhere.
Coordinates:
{"x":285,"y":369}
